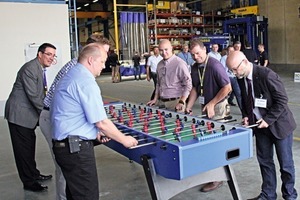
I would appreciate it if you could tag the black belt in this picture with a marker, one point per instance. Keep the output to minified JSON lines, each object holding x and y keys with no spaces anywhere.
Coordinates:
{"x":65,"y":143}
{"x":169,"y":99}
{"x":46,"y":108}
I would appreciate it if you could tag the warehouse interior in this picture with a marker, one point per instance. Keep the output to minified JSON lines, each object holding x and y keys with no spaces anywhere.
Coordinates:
{"x":67,"y":24}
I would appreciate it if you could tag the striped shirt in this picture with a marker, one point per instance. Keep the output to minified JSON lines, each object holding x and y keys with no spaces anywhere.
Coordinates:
{"x":63,"y":71}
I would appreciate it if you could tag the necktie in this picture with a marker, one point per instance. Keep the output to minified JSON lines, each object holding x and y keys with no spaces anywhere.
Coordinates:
{"x":250,"y":103}
{"x":45,"y":81}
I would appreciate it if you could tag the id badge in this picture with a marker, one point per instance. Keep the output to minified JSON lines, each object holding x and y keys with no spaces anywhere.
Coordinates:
{"x":260,"y":103}
{"x":201,"y":100}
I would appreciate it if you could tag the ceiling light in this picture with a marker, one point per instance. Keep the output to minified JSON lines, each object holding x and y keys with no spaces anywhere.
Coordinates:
{"x":78,"y":8}
{"x":95,"y":1}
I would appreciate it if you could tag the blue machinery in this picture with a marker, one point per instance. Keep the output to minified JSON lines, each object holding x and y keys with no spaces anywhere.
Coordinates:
{"x":252,"y":29}
{"x":173,"y":165}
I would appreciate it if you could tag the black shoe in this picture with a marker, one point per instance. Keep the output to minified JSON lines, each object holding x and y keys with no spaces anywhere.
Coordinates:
{"x":42,"y":177}
{"x":35,"y":187}
{"x":231,"y":103}
{"x":259,"y":197}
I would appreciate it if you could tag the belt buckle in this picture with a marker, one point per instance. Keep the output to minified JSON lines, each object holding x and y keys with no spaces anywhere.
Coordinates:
{"x":60,"y":144}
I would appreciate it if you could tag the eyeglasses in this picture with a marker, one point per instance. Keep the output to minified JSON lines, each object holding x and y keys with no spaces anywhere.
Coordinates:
{"x":235,"y":69}
{"x":49,"y":54}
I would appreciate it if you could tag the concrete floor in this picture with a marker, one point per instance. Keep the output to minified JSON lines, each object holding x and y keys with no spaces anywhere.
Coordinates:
{"x":121,"y":180}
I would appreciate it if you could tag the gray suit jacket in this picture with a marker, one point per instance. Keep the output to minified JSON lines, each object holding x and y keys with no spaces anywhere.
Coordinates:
{"x":25,"y":101}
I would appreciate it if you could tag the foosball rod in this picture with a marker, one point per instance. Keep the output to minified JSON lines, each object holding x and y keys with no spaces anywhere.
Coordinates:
{"x":157,"y":123}
{"x":142,"y":145}
{"x":187,"y":130}
{"x":136,"y":117}
{"x":186,"y":125}
{"x":199,"y":134}
{"x":252,"y":126}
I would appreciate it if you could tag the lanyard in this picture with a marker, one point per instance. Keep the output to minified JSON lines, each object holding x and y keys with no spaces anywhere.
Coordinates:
{"x":201,"y":78}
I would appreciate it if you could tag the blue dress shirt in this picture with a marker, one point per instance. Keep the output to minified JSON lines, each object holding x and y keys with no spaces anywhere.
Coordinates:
{"x":77,"y":105}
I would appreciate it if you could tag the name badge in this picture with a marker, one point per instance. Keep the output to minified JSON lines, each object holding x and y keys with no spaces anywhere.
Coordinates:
{"x":201,"y":99}
{"x":261,"y":103}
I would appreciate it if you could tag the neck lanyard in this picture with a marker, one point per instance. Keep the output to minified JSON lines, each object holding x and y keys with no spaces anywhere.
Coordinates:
{"x":201,"y":78}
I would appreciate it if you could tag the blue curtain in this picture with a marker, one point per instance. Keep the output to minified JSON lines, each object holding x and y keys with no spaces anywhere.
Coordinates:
{"x":133,"y":34}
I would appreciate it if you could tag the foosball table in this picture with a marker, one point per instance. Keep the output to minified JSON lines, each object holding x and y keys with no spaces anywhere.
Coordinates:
{"x":179,"y":151}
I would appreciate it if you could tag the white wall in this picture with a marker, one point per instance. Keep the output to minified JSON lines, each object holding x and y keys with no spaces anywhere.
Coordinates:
{"x":24,"y":23}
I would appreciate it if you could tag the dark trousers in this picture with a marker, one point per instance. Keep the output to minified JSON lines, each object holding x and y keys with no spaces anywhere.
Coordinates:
{"x":153,"y":76}
{"x":265,"y":143}
{"x":80,"y":171}
{"x":23,"y":142}
{"x":236,"y":91}
{"x":137,"y":71}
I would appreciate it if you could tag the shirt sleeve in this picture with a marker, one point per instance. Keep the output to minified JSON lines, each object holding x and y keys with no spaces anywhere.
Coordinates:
{"x":92,"y":103}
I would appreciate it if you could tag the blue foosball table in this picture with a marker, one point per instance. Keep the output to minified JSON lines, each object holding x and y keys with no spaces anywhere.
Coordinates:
{"x":179,"y":151}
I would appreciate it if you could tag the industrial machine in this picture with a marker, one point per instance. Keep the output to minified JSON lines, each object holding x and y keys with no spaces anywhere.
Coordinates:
{"x":252,"y":29}
{"x":179,"y":151}
{"x":223,"y":40}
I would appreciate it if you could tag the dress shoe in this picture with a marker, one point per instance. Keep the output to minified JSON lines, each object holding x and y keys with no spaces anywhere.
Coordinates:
{"x":259,"y":197}
{"x":35,"y":187}
{"x":211,"y":186}
{"x":231,"y":103}
{"x":43,"y":177}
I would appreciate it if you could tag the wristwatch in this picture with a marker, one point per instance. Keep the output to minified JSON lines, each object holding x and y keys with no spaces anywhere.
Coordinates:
{"x":181,"y":102}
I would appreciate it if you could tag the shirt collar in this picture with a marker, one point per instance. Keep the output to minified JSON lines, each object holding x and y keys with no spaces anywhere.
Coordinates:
{"x":250,"y":75}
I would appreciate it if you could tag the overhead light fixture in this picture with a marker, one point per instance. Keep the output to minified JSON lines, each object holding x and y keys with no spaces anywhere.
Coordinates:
{"x":87,"y":4}
{"x":78,"y":8}
{"x":95,"y":1}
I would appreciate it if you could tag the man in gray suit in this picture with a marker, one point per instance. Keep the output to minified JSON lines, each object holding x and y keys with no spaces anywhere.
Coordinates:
{"x":22,"y":111}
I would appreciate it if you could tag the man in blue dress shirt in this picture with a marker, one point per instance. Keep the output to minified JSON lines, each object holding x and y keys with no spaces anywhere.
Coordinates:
{"x":44,"y":120}
{"x":78,"y":117}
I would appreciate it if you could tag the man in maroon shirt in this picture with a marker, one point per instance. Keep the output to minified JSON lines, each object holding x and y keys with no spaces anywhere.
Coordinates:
{"x":173,"y":80}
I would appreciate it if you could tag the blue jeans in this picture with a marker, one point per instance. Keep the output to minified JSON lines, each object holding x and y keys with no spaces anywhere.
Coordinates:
{"x":235,"y":91}
{"x":265,"y":142}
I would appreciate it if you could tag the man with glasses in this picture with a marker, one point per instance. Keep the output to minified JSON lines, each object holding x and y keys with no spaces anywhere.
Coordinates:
{"x":22,"y":111}
{"x":264,"y":103}
{"x":211,"y":85}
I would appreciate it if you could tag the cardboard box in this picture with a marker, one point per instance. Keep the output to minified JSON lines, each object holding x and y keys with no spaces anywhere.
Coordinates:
{"x":197,"y":20}
{"x":160,"y":5}
{"x":150,"y":7}
{"x":163,"y":5}
{"x":176,"y":6}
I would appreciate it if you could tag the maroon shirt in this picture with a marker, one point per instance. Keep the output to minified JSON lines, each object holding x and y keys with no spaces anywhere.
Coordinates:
{"x":173,"y":78}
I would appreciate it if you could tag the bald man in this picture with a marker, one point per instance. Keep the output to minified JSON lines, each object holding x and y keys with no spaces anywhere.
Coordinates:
{"x":173,"y":80}
{"x":264,"y":102}
{"x":77,"y":115}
